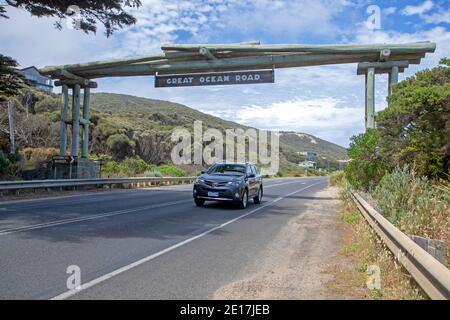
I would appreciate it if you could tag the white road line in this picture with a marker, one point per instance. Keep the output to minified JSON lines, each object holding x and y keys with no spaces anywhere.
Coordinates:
{"x":280,"y":184}
{"x":116,"y":272}
{"x":90,"y":217}
{"x":101,"y":215}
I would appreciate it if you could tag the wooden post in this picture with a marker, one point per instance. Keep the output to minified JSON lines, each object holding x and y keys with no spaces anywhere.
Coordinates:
{"x":85,"y":146}
{"x":11,"y":127}
{"x":75,"y":120}
{"x":63,"y":125}
{"x":393,"y":78}
{"x":370,"y":98}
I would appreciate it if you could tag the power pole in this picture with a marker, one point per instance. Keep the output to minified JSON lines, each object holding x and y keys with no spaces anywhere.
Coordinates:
{"x":11,"y":126}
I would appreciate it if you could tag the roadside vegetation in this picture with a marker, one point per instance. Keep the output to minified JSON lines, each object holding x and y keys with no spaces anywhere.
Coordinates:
{"x":403,"y":168}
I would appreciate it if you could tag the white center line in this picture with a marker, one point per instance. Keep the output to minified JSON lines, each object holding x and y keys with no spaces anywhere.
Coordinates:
{"x":90,"y":217}
{"x":101,"y":215}
{"x":116,"y":272}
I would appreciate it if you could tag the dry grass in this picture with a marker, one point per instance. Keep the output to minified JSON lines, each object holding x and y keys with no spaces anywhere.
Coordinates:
{"x":362,"y":248}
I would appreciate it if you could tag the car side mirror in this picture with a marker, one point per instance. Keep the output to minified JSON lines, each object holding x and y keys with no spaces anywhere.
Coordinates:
{"x":202,"y":172}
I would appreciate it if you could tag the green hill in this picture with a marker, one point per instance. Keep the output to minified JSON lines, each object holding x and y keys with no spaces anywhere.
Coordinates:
{"x":150,"y":114}
{"x":124,"y":126}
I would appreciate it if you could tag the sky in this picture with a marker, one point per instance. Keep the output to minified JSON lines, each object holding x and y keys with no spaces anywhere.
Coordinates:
{"x":325,"y":101}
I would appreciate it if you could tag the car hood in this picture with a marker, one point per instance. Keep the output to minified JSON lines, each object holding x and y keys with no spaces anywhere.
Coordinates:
{"x":220,"y":178}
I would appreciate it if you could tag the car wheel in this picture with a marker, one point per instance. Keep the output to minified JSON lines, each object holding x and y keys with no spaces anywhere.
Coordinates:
{"x":258,"y":197}
{"x":199,"y":202}
{"x":244,"y":201}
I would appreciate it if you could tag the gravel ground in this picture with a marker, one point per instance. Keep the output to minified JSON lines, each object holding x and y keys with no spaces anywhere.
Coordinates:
{"x":295,"y":263}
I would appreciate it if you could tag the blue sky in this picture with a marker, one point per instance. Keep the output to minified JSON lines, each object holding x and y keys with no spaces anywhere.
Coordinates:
{"x":326,"y":101}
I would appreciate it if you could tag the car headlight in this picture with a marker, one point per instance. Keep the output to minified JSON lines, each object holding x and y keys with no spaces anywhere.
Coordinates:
{"x":233,"y":183}
{"x":199,"y":180}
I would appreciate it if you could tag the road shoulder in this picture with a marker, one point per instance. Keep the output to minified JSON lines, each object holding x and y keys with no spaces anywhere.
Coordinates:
{"x":293,"y":266}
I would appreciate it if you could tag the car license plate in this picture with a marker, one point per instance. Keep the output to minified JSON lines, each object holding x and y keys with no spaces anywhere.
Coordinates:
{"x":213,"y":194}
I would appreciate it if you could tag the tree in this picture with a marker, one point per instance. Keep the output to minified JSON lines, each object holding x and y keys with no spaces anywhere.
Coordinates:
{"x":110,"y":13}
{"x":10,"y":81}
{"x":366,"y":167}
{"x":415,"y":128}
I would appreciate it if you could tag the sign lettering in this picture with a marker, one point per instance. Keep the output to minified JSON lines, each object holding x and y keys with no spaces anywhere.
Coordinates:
{"x":220,"y":78}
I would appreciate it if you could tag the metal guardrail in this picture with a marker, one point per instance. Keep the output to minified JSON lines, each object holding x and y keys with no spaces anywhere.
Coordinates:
{"x":41,"y":184}
{"x":432,"y":276}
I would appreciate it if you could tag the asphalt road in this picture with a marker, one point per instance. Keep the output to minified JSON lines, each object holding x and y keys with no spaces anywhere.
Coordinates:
{"x":140,"y":244}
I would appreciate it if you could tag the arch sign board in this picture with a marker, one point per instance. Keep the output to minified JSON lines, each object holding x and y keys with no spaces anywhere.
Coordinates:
{"x":216,"y":78}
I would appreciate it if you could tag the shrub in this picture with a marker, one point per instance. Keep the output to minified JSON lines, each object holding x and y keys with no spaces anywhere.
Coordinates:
{"x":168,"y":170}
{"x":337,"y":178}
{"x":121,"y":146}
{"x":149,"y":174}
{"x":366,"y":167}
{"x":37,"y":157}
{"x":413,"y":204}
{"x":55,"y":116}
{"x":111,"y":169}
{"x":4,"y":162}
{"x":135,"y":166}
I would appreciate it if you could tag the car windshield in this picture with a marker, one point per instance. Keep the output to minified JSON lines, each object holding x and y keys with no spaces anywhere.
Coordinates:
{"x":227,"y":169}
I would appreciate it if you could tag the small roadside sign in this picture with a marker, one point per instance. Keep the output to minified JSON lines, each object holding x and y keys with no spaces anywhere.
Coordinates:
{"x":63,"y":159}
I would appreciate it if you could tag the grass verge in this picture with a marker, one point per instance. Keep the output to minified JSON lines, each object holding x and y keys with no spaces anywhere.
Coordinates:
{"x":362,"y":251}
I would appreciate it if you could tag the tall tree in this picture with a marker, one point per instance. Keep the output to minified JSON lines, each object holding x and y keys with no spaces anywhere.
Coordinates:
{"x":415,"y":128}
{"x":86,"y":13}
{"x":10,"y":81}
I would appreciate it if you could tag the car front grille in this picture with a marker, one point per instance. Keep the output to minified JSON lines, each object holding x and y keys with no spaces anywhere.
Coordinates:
{"x":215,"y":183}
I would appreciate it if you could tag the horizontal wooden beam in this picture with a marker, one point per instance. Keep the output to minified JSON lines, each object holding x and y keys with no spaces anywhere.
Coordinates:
{"x":395,"y":48}
{"x":378,"y":71}
{"x":71,"y":83}
{"x":49,"y":70}
{"x":381,"y":67}
{"x":64,"y":74}
{"x":387,"y":64}
{"x":230,"y":64}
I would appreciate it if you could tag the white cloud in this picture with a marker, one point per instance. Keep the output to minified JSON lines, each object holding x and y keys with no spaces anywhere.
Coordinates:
{"x":389,"y":10}
{"x":420,"y":9}
{"x":318,"y":116}
{"x":436,"y":18}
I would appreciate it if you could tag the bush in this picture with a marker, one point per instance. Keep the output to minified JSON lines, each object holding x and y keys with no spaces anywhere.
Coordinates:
{"x":135,"y":166}
{"x":55,"y":116}
{"x":366,"y":167}
{"x":4,"y":162}
{"x":413,"y":204}
{"x":337,"y":178}
{"x":9,"y":165}
{"x":149,"y":174}
{"x":172,"y":171}
{"x":38,"y":157}
{"x":111,"y":169}
{"x":121,"y":146}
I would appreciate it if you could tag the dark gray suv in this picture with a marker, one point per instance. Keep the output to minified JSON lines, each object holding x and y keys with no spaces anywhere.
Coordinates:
{"x":229,"y":181}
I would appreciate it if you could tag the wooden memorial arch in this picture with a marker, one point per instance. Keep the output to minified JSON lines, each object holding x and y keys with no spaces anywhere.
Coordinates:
{"x":184,"y":60}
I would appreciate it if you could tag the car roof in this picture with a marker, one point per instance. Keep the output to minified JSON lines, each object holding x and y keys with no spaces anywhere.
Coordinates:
{"x":235,"y":163}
